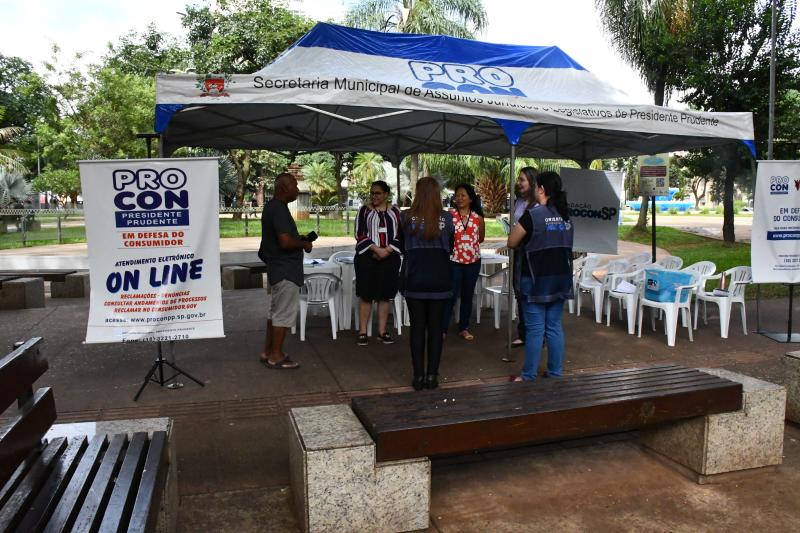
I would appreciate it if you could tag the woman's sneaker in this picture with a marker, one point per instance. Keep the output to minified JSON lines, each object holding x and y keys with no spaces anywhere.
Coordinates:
{"x":386,"y":338}
{"x":363,"y":340}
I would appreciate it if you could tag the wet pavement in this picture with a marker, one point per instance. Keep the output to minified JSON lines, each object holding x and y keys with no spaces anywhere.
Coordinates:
{"x":231,"y":435}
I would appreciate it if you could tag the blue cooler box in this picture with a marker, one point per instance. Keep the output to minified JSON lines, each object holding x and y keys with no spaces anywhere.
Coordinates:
{"x":661,"y":285}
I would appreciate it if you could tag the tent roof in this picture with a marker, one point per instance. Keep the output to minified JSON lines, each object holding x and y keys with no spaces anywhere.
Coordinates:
{"x":342,"y":89}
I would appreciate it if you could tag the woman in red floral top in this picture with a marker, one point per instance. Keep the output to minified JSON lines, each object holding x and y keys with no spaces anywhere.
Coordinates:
{"x":466,"y":257}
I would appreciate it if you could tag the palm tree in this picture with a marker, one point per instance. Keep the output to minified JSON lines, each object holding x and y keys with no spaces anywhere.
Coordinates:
{"x":13,"y":187}
{"x":459,"y":18}
{"x":367,"y":167}
{"x":319,"y":177}
{"x":645,"y":33}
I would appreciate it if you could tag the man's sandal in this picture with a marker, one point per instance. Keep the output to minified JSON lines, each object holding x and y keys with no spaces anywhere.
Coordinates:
{"x":283,"y":364}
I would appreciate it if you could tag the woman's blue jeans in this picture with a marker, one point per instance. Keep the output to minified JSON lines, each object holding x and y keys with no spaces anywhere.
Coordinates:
{"x":464,"y":279}
{"x":542,"y":321}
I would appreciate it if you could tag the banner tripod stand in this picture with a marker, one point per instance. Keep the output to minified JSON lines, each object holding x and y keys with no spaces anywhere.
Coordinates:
{"x":782,"y":337}
{"x":158,"y":368}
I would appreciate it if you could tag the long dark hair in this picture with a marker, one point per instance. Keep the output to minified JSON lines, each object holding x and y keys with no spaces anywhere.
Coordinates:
{"x":556,"y":196}
{"x":474,"y":200}
{"x":426,"y":208}
{"x":530,"y":175}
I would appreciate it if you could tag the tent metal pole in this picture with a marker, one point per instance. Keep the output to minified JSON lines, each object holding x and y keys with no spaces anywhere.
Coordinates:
{"x":510,"y":276}
{"x":399,"y":193}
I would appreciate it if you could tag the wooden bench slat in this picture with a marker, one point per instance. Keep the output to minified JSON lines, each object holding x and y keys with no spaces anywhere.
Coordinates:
{"x":97,"y":497}
{"x":619,"y":396}
{"x":410,"y":399}
{"x":120,"y":504}
{"x":526,"y":397}
{"x":514,"y":414}
{"x":17,"y":476}
{"x":255,"y":268}
{"x":67,"y":509}
{"x":45,"y":502}
{"x":17,"y":505}
{"x":148,"y":498}
{"x":25,"y":431}
{"x":546,"y":427}
{"x":47,"y":274}
{"x":19,"y":370}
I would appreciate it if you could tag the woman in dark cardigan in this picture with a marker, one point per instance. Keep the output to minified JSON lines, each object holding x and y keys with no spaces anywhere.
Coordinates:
{"x":426,"y":281}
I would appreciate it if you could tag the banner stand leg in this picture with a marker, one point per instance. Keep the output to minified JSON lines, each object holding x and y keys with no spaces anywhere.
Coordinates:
{"x":788,"y":336}
{"x":158,"y":366}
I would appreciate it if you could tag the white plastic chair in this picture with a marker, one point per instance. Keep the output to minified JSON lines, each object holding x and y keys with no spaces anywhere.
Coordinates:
{"x":740,"y":277}
{"x":589,"y":283}
{"x":318,"y":290}
{"x":670,"y":309}
{"x":497,"y":289}
{"x":640,"y":259}
{"x":705,"y":271}
{"x":629,"y":300}
{"x":398,"y":304}
{"x":342,"y":309}
{"x":670,"y":262}
{"x":577,"y":267}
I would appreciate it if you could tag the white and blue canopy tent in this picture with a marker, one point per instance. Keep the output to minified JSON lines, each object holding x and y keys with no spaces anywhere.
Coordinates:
{"x":344,"y":89}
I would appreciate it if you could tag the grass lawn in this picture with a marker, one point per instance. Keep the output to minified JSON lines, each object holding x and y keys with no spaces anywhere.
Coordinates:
{"x":693,"y":248}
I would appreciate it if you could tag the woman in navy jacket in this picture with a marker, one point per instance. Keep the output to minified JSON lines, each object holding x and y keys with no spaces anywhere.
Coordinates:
{"x":426,"y":281}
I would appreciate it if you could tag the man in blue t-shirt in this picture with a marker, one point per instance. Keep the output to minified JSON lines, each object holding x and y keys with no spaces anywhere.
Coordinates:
{"x":282,"y":251}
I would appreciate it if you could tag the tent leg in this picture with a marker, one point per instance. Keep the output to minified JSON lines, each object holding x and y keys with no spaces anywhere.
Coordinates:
{"x":511,"y":178}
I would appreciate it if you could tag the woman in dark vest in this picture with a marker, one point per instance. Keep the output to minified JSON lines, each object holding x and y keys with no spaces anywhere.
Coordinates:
{"x":544,"y":235}
{"x":426,"y":280}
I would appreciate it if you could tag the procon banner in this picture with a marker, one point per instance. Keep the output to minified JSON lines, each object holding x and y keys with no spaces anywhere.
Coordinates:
{"x":775,"y":242}
{"x":152,"y":226}
{"x":594,"y":200}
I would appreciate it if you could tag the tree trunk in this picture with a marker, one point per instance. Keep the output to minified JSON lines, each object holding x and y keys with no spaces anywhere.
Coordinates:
{"x":641,"y":223}
{"x":413,"y":175}
{"x":338,"y":157}
{"x":658,"y":99}
{"x":731,"y":168}
{"x":242,"y":160}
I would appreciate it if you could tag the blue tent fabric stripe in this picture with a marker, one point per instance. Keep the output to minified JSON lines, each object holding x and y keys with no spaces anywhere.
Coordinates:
{"x":164,"y":113}
{"x":513,"y":129}
{"x":439,"y":48}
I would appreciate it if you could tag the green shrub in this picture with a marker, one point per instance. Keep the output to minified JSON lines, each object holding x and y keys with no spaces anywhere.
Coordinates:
{"x":673,"y":210}
{"x":704,"y":211}
{"x":719,"y":210}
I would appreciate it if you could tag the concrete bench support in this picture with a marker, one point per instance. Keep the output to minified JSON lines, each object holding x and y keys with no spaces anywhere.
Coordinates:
{"x":22,"y":293}
{"x":168,"y":512}
{"x":727,"y":442}
{"x":74,"y":286}
{"x":791,"y":365}
{"x":338,"y":487}
{"x":239,"y":277}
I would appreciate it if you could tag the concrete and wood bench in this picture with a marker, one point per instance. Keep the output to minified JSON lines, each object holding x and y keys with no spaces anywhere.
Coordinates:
{"x":54,"y":482}
{"x":19,"y":292}
{"x":47,"y":274}
{"x":243,"y":276}
{"x":30,"y":292}
{"x":704,"y":420}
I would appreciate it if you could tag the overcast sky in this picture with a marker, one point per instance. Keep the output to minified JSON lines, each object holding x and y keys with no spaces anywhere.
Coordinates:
{"x":29,"y":28}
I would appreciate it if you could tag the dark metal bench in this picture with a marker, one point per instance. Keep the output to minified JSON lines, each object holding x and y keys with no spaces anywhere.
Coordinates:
{"x":51,"y":274}
{"x":485,"y":417}
{"x":106,"y":483}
